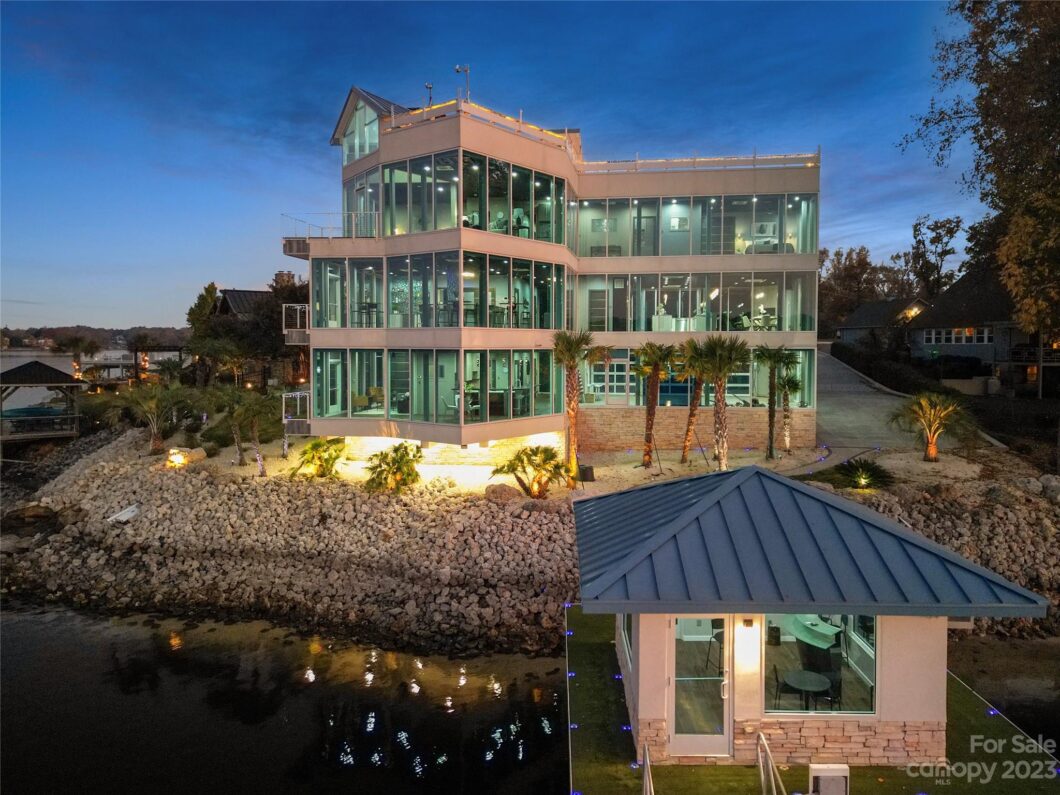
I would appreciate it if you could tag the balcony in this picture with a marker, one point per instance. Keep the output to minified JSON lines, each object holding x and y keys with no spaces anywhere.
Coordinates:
{"x":296,"y":413}
{"x":1030,"y":355}
{"x":296,"y":324}
{"x":300,"y":230}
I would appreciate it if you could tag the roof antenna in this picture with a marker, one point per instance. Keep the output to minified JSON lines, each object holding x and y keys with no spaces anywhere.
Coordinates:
{"x":430,"y":95}
{"x":466,"y":70}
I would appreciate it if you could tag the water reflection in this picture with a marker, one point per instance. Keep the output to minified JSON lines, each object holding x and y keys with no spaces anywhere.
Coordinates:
{"x":284,"y":712}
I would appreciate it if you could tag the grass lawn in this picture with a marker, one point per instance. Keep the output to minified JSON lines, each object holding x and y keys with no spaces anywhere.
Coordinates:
{"x":602,"y":749}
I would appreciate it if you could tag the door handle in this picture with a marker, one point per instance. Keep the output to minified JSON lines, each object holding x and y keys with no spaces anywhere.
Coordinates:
{"x":724,"y":689}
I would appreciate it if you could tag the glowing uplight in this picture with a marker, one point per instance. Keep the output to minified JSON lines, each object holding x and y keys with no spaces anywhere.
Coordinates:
{"x":369,"y":677}
{"x":309,"y":676}
{"x":176,"y":459}
{"x":176,"y":642}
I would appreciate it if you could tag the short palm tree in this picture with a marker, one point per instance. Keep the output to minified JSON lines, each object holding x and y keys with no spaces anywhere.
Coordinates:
{"x":693,"y":363}
{"x":723,"y":356}
{"x":788,"y":384}
{"x":571,"y":349}
{"x":778,"y":359}
{"x":170,"y":370}
{"x":929,"y":415}
{"x":148,"y":404}
{"x":252,"y":410}
{"x":534,"y":469}
{"x":228,"y":399}
{"x":78,"y":346}
{"x":653,"y":360}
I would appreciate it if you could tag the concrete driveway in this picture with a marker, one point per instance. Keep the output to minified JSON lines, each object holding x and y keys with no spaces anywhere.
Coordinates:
{"x":851,"y":412}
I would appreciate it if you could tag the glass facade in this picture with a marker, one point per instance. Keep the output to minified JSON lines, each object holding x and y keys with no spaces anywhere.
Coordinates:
{"x":329,"y":383}
{"x":362,"y":134}
{"x":823,"y":663}
{"x":367,"y":388}
{"x":419,"y":195}
{"x":329,"y":293}
{"x":698,"y":302}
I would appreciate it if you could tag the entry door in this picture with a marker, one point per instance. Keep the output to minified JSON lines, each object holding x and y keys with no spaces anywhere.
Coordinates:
{"x":700,"y":717}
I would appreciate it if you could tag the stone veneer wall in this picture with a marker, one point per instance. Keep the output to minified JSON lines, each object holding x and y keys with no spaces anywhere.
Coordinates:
{"x":620,"y":428}
{"x":819,"y":740}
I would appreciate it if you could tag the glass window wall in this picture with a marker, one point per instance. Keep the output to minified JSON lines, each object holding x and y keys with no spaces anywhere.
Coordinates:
{"x":645,"y":227}
{"x":366,"y":382}
{"x":446,"y":189}
{"x":645,"y":300}
{"x":397,"y":287}
{"x":542,"y":295}
{"x":396,"y":198}
{"x":823,"y":663}
{"x":737,"y":220}
{"x":366,"y":293}
{"x":522,"y":293}
{"x":800,"y":224}
{"x":768,"y":235}
{"x":543,"y":204}
{"x":500,"y":384}
{"x":422,"y":381}
{"x":704,"y":300}
{"x":800,"y":292}
{"x":476,"y":297}
{"x":500,"y":207}
{"x":421,"y":194}
{"x":474,"y":381}
{"x":676,"y":225}
{"x":736,"y":301}
{"x":476,"y":209}
{"x":559,"y":285}
{"x":618,"y":302}
{"x":559,"y":203}
{"x":329,"y":383}
{"x":400,"y":385}
{"x":618,"y":227}
{"x":422,"y":290}
{"x":362,"y":134}
{"x":542,"y":382}
{"x":522,"y":201}
{"x":592,"y":296}
{"x":447,"y":387}
{"x":765,"y":312}
{"x":329,"y":293}
{"x":500,"y":275}
{"x":522,"y":383}
{"x":592,"y":228}
{"x":447,"y":288}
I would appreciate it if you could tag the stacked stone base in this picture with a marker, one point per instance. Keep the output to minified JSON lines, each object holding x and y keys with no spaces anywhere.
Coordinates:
{"x":818,"y":740}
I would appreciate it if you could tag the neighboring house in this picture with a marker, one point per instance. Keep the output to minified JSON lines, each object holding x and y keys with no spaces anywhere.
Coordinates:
{"x":975,"y":317}
{"x":748,"y":602}
{"x":470,"y":237}
{"x":239,"y":302}
{"x":879,"y":318}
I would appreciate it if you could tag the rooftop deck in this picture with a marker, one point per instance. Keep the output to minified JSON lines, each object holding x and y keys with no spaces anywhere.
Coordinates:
{"x":602,"y":753}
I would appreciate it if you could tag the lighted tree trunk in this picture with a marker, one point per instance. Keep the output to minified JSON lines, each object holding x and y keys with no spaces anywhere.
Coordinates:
{"x":786,"y":407}
{"x":721,"y":428}
{"x":649,"y":417}
{"x":156,"y":439}
{"x":931,"y":451}
{"x":241,"y":459}
{"x":257,"y":448}
{"x":771,"y":403}
{"x":572,"y":391}
{"x":690,"y":426}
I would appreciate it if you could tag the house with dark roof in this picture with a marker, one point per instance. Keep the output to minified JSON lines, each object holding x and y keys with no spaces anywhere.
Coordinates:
{"x":879,"y":318}
{"x":240,"y":302}
{"x":975,"y":317}
{"x":746,"y":602}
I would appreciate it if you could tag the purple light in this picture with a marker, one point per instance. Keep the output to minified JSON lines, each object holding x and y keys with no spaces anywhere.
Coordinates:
{"x":570,"y":632}
{"x":617,"y":676}
{"x":992,"y":712}
{"x":570,"y":674}
{"x":633,"y":765}
{"x":574,"y":725}
{"x":568,"y":605}
{"x":627,"y":728}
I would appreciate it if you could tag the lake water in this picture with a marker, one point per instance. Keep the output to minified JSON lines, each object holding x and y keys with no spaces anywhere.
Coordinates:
{"x":92,"y":704}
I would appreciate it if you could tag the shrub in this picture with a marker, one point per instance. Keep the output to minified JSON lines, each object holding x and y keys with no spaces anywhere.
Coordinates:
{"x":191,"y":439}
{"x":319,"y":457}
{"x":220,"y":432}
{"x":861,"y":474}
{"x":394,"y":469}
{"x":535,"y":469}
{"x":193,"y":425}
{"x":893,"y":375}
{"x":211,"y":449}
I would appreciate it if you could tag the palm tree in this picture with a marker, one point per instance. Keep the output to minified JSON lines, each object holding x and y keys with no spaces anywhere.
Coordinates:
{"x":149,"y":404}
{"x":251,"y":410}
{"x":78,"y":346}
{"x":929,"y":414}
{"x":534,"y":469}
{"x":570,"y":349}
{"x":776,"y":359}
{"x":723,"y":356}
{"x":787,"y":384}
{"x":693,"y":362}
{"x":653,"y":360}
{"x":228,"y":399}
{"x":170,"y":370}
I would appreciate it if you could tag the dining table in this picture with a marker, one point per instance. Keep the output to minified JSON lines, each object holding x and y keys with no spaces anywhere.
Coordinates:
{"x":808,"y":683}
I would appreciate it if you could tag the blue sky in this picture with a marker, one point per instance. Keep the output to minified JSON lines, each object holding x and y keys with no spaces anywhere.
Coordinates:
{"x":150,"y":148}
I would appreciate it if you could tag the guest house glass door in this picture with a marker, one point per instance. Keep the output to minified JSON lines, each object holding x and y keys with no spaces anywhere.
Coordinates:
{"x":700,"y":703}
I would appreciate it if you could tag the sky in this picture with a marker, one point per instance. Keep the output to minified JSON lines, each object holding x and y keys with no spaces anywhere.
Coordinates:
{"x":147,"y":149}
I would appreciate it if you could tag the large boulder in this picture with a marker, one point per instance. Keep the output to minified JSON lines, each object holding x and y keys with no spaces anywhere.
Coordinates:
{"x":501,"y":493}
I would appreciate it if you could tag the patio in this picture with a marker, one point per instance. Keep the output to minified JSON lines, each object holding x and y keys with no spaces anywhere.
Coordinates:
{"x":603,"y":756}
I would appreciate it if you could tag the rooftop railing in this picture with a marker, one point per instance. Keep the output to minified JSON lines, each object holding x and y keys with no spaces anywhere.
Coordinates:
{"x":755,"y":161}
{"x":359,"y":224}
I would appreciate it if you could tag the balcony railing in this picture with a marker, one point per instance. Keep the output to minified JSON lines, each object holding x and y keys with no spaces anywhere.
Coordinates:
{"x":296,"y":324}
{"x":296,"y":413}
{"x":1030,"y":355}
{"x":360,"y":224}
{"x":42,"y":426}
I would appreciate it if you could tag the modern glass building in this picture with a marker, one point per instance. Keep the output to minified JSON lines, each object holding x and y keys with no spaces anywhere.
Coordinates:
{"x":467,"y":238}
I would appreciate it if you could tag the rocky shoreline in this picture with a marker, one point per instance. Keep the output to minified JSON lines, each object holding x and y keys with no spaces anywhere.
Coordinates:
{"x":433,"y":571}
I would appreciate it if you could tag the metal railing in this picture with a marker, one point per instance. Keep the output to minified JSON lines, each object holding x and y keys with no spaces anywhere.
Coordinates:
{"x":42,"y":426}
{"x":296,"y":324}
{"x":649,"y":785}
{"x":1030,"y":355}
{"x":768,"y":775}
{"x":359,"y":224}
{"x":754,"y":161}
{"x":295,"y":406}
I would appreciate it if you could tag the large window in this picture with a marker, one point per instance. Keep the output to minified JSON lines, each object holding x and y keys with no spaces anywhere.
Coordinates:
{"x":366,"y":382}
{"x":767,"y":236}
{"x":421,"y":194}
{"x":800,"y":224}
{"x":360,"y":205}
{"x":366,"y":293}
{"x":447,"y":289}
{"x":543,"y":382}
{"x":329,"y":383}
{"x":396,"y":198}
{"x":362,"y":134}
{"x":542,"y":295}
{"x":645,"y":213}
{"x":522,"y":293}
{"x":522,"y":201}
{"x":592,"y":228}
{"x":475,"y":385}
{"x":476,"y":297}
{"x":706,"y":225}
{"x":676,"y":225}
{"x":500,"y":208}
{"x":421,"y":281}
{"x":422,"y":384}
{"x":543,"y":205}
{"x":559,"y":220}
{"x":400,"y":396}
{"x":447,"y":387}
{"x":446,"y":190}
{"x":797,"y":308}
{"x":559,"y":284}
{"x":329,"y":293}
{"x":522,"y":383}
{"x":618,"y":227}
{"x":500,"y":385}
{"x":500,"y":275}
{"x":397,"y":288}
{"x":820,"y":663}
{"x":476,"y":209}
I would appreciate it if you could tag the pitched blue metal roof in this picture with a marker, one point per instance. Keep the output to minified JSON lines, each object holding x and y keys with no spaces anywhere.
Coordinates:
{"x":753,"y":541}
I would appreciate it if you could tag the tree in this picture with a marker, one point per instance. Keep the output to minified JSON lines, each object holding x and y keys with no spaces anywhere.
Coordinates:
{"x":849,"y":278}
{"x":394,"y":469}
{"x":929,"y":415}
{"x":788,"y":384}
{"x":147,"y":404}
{"x":229,"y":399}
{"x":653,"y":360}
{"x":570,"y":349}
{"x":777,"y":359}
{"x":319,"y":458}
{"x":723,"y":356}
{"x":170,"y":370}
{"x":693,"y":363}
{"x":534,"y":469}
{"x":925,"y":262}
{"x":996,"y":87}
{"x":78,"y":346}
{"x":251,"y":410}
